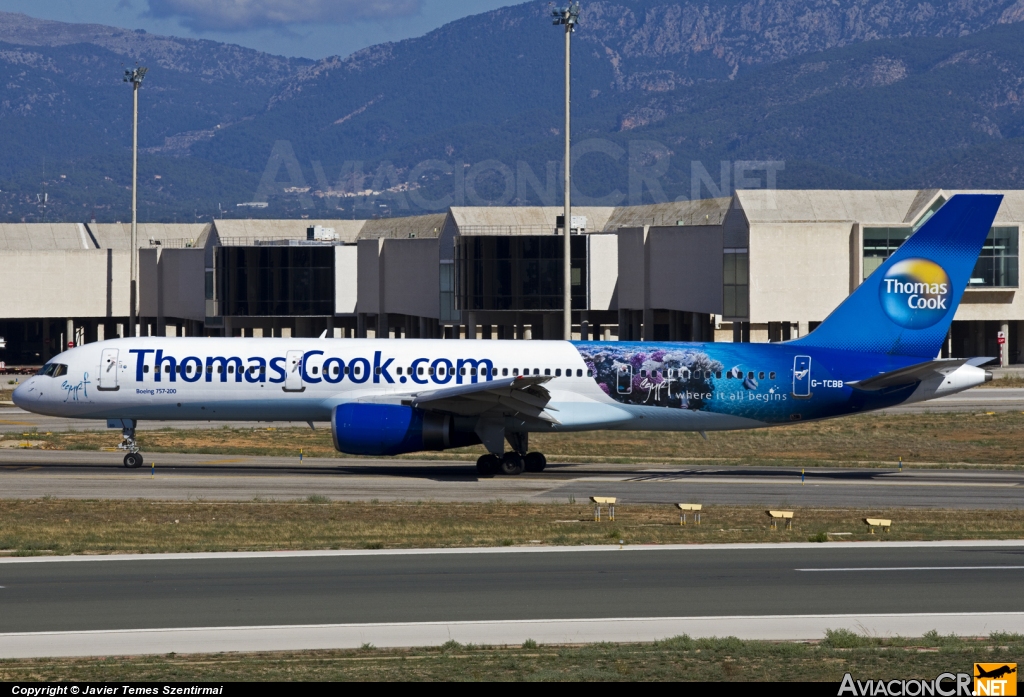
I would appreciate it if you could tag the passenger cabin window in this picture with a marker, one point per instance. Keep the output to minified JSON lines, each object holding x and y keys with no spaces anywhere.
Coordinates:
{"x":547,"y":371}
{"x":771,"y":375}
{"x":515,"y":371}
{"x":590,"y":373}
{"x":558,"y":372}
{"x":145,"y":369}
{"x":504,"y":372}
{"x":760,"y":375}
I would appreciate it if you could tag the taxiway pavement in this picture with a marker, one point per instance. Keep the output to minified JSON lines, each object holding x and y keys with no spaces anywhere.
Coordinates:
{"x":291,"y":598}
{"x":72,"y":474}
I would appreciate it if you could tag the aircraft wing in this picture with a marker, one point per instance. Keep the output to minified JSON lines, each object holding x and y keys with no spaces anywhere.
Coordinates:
{"x":915,"y":373}
{"x":525,"y":397}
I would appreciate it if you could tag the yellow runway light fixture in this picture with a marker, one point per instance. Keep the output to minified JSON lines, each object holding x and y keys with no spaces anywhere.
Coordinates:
{"x":601,"y":501}
{"x":695,"y":508}
{"x":776,"y":516}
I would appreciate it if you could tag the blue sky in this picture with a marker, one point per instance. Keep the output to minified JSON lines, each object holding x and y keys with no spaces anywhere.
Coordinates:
{"x":308,"y":28}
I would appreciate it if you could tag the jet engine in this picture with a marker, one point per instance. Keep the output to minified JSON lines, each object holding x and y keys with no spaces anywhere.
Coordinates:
{"x":392,"y":429}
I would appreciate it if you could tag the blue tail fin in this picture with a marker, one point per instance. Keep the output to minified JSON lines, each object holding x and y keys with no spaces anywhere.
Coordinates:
{"x":906,"y":306}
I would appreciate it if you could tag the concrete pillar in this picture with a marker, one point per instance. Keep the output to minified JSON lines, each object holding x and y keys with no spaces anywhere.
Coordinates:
{"x":635,"y":319}
{"x":528,"y":332}
{"x":361,"y":325}
{"x":470,"y":325}
{"x":584,"y":330}
{"x":1004,"y":349}
{"x":552,"y":326}
{"x":485,"y":332}
{"x":802,"y":329}
{"x":70,"y":335}
{"x":648,"y":327}
{"x":425,"y":328}
{"x":101,"y":332}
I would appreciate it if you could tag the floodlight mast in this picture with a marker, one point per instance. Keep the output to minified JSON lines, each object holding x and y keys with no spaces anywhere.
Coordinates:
{"x":135,"y":78}
{"x":568,"y":17}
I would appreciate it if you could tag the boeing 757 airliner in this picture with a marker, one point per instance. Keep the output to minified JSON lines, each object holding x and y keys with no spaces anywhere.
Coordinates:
{"x":386,"y":397}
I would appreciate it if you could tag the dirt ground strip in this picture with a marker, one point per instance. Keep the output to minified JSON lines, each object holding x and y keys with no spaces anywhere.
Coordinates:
{"x":680,"y":658}
{"x":925,"y":439}
{"x":62,"y":526}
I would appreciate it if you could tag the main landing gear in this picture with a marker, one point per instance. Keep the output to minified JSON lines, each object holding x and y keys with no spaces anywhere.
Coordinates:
{"x":133,"y":459}
{"x":511,"y":463}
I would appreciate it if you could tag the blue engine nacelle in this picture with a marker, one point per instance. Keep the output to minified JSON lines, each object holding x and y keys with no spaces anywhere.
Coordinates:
{"x":388,"y":429}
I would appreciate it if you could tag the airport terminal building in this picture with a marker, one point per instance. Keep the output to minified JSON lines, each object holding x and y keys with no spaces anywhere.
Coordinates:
{"x":762,"y":265}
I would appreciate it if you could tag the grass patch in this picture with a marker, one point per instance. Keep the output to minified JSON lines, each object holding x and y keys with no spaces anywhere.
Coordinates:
{"x":679,"y":658}
{"x":922,"y":440}
{"x":1008,"y":381}
{"x":66,"y":526}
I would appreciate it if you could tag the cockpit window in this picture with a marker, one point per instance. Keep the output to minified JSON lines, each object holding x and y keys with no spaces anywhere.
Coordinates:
{"x":53,"y":370}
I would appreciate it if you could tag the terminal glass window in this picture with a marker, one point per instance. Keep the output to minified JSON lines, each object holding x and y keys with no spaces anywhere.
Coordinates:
{"x":272,"y":280}
{"x":518,"y":272}
{"x":997,"y":264}
{"x":736,"y":283}
{"x":880,"y":243}
{"x":447,"y":285}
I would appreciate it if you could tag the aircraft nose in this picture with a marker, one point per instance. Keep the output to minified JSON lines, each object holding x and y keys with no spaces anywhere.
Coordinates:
{"x":20,"y":395}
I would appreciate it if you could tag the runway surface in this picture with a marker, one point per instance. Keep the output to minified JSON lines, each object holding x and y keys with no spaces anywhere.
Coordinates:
{"x":15,"y":420}
{"x":71,"y":474}
{"x":796,"y":588}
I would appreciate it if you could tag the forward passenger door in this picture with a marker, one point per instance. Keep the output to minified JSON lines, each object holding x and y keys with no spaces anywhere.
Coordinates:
{"x":108,"y":369}
{"x":293,"y":379}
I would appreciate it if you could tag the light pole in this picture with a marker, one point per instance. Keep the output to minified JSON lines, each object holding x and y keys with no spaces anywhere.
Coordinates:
{"x":135,"y":78}
{"x":567,"y":16}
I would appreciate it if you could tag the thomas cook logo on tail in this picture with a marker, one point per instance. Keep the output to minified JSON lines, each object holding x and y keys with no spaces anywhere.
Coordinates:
{"x":915,"y":293}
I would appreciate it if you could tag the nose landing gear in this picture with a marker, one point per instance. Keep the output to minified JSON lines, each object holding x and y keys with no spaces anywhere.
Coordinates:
{"x":133,"y":459}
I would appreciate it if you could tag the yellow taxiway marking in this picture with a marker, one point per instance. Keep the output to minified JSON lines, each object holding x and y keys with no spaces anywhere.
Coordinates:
{"x":17,"y":423}
{"x":221,"y":462}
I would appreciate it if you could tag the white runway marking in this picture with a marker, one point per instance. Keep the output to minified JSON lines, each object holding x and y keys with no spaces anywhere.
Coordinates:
{"x":915,"y":568}
{"x":501,"y":632}
{"x":540,"y":549}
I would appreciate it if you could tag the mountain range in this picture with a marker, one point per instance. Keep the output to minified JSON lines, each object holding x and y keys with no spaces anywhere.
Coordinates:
{"x":835,"y":93}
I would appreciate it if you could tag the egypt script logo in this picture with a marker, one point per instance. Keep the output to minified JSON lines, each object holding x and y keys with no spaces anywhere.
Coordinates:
{"x":915,"y":293}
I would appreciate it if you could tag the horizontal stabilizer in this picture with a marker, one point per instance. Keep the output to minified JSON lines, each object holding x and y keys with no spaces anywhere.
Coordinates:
{"x":915,"y":373}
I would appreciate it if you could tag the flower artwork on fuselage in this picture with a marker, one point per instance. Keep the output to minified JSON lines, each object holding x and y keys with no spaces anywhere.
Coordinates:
{"x":679,"y":378}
